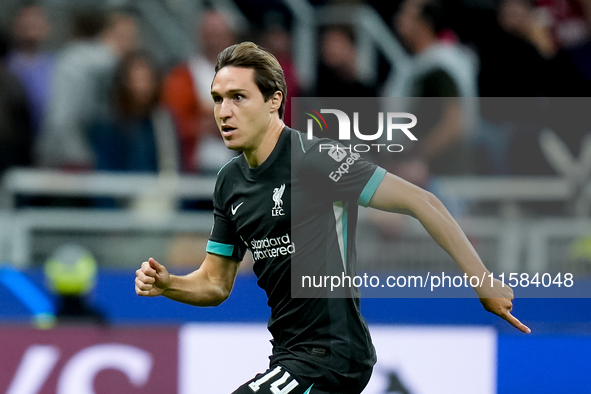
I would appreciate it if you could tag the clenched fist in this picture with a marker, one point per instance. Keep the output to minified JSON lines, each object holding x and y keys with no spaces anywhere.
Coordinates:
{"x":152,"y":279}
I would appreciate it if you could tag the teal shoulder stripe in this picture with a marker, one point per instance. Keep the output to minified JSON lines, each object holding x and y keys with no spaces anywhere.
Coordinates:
{"x":341,"y":217}
{"x":371,"y":186}
{"x":219,"y":248}
{"x":229,"y":161}
{"x":301,"y":142}
{"x":309,"y":389}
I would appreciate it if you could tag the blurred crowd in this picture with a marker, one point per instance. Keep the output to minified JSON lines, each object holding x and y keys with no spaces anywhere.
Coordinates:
{"x":101,"y":100}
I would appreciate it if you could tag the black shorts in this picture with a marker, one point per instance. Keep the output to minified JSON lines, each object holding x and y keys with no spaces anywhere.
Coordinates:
{"x":277,"y":380}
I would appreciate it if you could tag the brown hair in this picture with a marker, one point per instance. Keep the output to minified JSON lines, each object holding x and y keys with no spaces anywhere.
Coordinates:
{"x":268,"y":74}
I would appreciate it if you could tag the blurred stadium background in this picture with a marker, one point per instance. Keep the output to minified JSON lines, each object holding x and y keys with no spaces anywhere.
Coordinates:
{"x":108,"y":156}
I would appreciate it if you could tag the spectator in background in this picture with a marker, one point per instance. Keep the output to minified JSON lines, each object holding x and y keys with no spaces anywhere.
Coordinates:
{"x":518,"y":17}
{"x":337,"y":73}
{"x":187,"y":94}
{"x":29,"y":62}
{"x":515,"y":62}
{"x":514,"y":55}
{"x":438,"y":69}
{"x":511,"y":66}
{"x":442,"y":76}
{"x":15,"y":122}
{"x":570,"y":24}
{"x":83,"y":72}
{"x":569,"y":21}
{"x":277,"y":40}
{"x":138,"y":134}
{"x":518,"y":61}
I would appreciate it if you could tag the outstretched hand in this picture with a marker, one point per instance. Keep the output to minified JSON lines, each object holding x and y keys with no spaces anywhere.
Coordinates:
{"x":151,"y":279}
{"x":498,"y":299}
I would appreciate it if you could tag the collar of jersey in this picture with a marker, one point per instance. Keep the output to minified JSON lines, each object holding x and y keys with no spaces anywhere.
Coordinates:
{"x":257,"y":171}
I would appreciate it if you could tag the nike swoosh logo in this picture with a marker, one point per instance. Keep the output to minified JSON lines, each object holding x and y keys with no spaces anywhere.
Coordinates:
{"x":234,"y":209}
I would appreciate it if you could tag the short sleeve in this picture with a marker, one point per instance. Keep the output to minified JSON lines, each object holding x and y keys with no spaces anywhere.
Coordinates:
{"x":224,"y":240}
{"x":371,"y":186}
{"x":341,"y":175}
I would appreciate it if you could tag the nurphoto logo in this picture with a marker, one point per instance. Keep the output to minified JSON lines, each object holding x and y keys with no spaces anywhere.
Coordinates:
{"x":337,"y":153}
{"x":392,"y":126}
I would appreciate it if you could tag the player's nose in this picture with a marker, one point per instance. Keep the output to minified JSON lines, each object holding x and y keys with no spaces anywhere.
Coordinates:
{"x":224,"y":109}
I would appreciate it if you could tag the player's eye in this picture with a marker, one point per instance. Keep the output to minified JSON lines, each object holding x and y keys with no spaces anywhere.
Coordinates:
{"x":217,"y":99}
{"x":238,"y":97}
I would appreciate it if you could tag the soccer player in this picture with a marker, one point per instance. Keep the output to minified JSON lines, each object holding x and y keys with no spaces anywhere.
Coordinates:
{"x":277,"y":200}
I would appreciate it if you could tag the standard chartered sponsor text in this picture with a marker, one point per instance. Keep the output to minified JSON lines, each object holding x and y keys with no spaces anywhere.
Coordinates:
{"x":272,"y":247}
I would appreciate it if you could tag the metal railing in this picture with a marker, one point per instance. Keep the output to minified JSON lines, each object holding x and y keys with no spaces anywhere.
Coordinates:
{"x":521,"y":243}
{"x":20,"y":181}
{"x":372,"y":33}
{"x":152,"y":201}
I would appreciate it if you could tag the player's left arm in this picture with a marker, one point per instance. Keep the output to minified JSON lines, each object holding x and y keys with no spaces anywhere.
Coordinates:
{"x":397,"y":195}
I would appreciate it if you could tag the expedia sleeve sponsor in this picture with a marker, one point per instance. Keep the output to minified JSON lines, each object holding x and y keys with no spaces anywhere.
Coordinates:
{"x":344,"y":167}
{"x":339,"y":173}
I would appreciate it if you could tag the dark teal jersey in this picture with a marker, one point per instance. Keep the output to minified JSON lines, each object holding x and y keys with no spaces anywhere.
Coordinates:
{"x":297,"y":213}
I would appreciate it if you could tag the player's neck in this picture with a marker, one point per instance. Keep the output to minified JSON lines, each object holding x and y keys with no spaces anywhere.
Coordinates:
{"x":257,"y":156}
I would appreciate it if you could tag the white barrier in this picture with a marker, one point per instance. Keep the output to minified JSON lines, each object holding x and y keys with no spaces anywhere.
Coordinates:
{"x":425,"y":360}
{"x":156,"y":197}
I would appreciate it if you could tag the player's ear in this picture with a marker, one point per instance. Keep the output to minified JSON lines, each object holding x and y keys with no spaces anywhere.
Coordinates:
{"x":276,"y":100}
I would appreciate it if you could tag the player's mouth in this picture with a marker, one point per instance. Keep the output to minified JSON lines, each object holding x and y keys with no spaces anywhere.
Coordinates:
{"x":227,"y":130}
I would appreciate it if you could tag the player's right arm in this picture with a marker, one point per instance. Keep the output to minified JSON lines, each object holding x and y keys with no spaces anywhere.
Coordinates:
{"x":210,"y":285}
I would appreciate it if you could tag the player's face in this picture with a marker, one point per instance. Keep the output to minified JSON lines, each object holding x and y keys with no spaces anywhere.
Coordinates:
{"x":241,"y":113}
